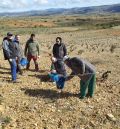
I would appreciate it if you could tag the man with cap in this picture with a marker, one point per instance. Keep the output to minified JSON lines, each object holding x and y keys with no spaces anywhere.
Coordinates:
{"x":9,"y":51}
{"x":32,"y":51}
{"x":85,"y":71}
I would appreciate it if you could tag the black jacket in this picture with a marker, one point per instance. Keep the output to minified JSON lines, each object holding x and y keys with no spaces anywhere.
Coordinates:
{"x":9,"y":49}
{"x":59,"y":50}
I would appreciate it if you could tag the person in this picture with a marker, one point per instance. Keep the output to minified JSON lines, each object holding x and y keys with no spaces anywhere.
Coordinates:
{"x":32,"y":51}
{"x":59,"y":51}
{"x":20,"y":54}
{"x":9,"y":51}
{"x":85,"y":71}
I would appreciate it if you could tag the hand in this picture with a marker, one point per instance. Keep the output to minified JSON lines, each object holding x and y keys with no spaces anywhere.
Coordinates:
{"x":16,"y":58}
{"x":54,"y":59}
{"x":10,"y":60}
{"x":38,"y":56}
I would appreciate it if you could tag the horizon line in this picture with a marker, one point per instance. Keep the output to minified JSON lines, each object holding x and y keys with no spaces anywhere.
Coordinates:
{"x":57,"y":8}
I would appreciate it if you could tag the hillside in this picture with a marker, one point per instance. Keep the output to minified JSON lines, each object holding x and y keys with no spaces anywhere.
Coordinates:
{"x":84,"y":10}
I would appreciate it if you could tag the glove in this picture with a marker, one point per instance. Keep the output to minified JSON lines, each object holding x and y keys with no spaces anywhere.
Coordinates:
{"x":10,"y":60}
{"x":54,"y":59}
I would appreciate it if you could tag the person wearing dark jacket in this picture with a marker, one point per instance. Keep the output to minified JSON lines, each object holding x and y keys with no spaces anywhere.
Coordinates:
{"x":59,"y":51}
{"x":32,"y":51}
{"x":19,"y":53}
{"x":85,"y":71}
{"x":9,"y":51}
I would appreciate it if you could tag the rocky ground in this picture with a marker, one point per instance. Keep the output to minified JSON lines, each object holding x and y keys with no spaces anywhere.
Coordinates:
{"x":35,"y":102}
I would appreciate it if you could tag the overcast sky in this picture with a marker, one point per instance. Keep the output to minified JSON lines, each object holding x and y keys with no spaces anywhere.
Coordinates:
{"x":25,"y":5}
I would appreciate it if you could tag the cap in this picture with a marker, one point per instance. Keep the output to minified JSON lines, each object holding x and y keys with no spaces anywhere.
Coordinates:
{"x":9,"y":34}
{"x":65,"y":58}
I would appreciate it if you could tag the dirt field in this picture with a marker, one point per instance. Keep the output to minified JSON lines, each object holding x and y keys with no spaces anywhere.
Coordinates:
{"x":36,"y":104}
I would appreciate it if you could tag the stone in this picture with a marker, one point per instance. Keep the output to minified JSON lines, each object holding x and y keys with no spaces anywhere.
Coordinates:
{"x":92,"y":124}
{"x":111,"y":117}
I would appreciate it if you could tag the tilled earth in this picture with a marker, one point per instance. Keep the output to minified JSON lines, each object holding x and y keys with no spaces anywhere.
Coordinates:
{"x":35,"y":103}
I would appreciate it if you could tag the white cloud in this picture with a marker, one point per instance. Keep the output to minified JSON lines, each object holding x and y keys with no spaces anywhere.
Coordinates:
{"x":40,"y":1}
{"x":69,"y":3}
{"x":21,"y":5}
{"x":12,"y":4}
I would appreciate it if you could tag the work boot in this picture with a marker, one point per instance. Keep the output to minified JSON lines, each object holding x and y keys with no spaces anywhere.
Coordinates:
{"x":27,"y":67}
{"x":36,"y":67}
{"x":16,"y":81}
{"x":82,"y":97}
{"x":89,"y":96}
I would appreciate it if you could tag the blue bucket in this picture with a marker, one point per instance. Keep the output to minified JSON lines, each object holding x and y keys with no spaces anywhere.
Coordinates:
{"x":60,"y":84}
{"x":60,"y":81}
{"x":23,"y":61}
{"x":54,"y":77}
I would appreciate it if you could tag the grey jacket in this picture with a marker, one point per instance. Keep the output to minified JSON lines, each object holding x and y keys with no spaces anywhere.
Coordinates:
{"x":20,"y":53}
{"x":80,"y":67}
{"x":9,"y":49}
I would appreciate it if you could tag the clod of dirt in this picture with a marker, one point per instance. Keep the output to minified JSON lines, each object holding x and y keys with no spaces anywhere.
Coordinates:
{"x":105,"y":75}
{"x":111,"y":117}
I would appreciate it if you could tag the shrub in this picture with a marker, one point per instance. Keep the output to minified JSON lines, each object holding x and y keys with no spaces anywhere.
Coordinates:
{"x":7,"y":120}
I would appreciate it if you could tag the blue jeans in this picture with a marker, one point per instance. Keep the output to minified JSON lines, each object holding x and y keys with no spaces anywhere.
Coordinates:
{"x":13,"y":66}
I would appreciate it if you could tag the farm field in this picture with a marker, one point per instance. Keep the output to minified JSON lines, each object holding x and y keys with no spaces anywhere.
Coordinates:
{"x":35,"y":102}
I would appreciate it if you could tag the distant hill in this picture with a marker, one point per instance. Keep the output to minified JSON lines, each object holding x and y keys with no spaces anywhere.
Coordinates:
{"x":77,"y":10}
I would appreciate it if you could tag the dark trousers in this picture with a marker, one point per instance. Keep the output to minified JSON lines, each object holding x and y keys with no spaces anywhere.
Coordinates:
{"x":19,"y":69}
{"x":29,"y":58}
{"x":90,"y":84}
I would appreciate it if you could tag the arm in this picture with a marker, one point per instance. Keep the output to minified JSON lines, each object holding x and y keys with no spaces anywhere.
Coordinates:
{"x":54,"y":51}
{"x":6,"y":49}
{"x":70,"y":76}
{"x":65,"y":50}
{"x":38,"y":49}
